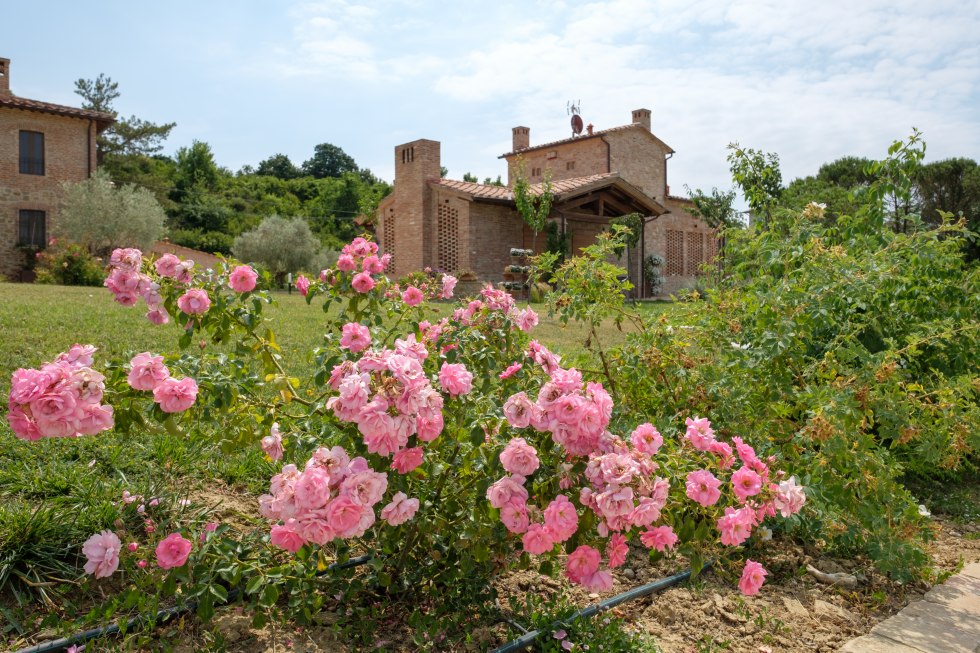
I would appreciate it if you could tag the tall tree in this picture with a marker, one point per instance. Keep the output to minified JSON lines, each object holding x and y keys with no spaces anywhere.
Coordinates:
{"x":716,"y":208}
{"x":329,"y":161}
{"x":128,"y":136}
{"x":757,"y":174}
{"x":278,"y":165}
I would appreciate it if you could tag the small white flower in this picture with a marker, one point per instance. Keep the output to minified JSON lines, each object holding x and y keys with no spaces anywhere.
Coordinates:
{"x":924,"y":511}
{"x":765,"y":533}
{"x":736,"y":345}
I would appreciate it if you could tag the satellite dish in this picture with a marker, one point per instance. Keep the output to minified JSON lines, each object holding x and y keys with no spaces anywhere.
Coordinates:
{"x":576,"y":124}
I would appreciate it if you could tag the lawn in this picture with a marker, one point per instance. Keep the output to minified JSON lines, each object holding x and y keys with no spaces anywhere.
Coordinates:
{"x":55,"y":493}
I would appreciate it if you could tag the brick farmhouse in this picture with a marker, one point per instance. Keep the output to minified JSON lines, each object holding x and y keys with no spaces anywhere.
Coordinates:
{"x":599,"y":175}
{"x":42,"y":145}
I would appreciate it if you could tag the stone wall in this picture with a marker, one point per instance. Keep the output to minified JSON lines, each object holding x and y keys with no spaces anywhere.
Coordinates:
{"x":69,"y":156}
{"x":579,"y":158}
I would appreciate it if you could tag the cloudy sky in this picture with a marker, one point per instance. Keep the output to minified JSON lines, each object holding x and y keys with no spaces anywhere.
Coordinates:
{"x":811,"y":81}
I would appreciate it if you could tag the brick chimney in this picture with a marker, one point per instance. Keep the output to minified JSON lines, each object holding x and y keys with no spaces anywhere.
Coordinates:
{"x":416,"y":164}
{"x":522,"y":138}
{"x":5,"y":76}
{"x":642,"y":117}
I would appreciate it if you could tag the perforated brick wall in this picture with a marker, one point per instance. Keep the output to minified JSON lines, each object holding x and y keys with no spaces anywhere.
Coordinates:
{"x":447,"y":245}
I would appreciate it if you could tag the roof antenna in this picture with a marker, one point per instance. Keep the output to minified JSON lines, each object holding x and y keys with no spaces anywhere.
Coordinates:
{"x":575,"y":110}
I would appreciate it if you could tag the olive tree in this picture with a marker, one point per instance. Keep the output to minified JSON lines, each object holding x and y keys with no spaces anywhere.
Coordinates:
{"x":102,"y":216}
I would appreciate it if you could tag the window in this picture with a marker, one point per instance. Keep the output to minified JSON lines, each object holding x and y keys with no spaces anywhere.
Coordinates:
{"x":31,"y":153}
{"x":31,"y":233}
{"x":569,"y":165}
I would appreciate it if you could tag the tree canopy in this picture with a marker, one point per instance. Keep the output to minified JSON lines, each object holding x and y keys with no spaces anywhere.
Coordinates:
{"x":128,"y":136}
{"x":329,"y":161}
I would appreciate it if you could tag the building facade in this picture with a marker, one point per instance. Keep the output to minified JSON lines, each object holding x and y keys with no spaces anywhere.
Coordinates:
{"x":42,"y":146}
{"x":463,"y":227}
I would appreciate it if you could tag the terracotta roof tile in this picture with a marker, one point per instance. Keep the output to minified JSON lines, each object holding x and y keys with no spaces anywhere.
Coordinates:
{"x":484,"y":191}
{"x":14,"y":102}
{"x":584,"y":137}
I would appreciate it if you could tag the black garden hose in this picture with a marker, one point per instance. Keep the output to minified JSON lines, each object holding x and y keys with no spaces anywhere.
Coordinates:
{"x":163,"y":616}
{"x":528,"y":638}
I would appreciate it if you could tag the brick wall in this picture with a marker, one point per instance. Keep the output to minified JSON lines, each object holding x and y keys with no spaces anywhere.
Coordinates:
{"x":573,"y":159}
{"x":640,"y":160}
{"x":684,"y":241}
{"x":69,"y":155}
{"x":493,"y":230}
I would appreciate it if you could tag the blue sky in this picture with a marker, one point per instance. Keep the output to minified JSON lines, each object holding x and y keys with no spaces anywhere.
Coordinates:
{"x":810,"y":81}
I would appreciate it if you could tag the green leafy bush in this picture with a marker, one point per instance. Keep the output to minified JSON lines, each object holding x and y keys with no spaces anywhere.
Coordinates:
{"x":69,"y":264}
{"x":847,"y":349}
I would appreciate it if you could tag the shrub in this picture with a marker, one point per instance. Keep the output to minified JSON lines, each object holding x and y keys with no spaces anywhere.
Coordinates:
{"x":103,"y":216}
{"x":69,"y":264}
{"x":848,"y":350}
{"x":280,"y":245}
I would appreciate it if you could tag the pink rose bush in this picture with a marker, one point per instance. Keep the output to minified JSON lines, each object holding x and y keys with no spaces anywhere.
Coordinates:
{"x":61,"y":399}
{"x":624,"y":483}
{"x":243,"y":279}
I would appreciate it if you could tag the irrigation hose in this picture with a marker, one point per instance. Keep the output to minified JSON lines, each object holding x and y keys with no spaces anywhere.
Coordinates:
{"x":528,"y":638}
{"x":162,"y":617}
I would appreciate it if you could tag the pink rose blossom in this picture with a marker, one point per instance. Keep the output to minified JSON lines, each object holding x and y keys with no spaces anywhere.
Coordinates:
{"x":287,"y":537}
{"x":753,"y":576}
{"x":702,"y":487}
{"x":616,"y":550}
{"x":166,"y":265}
{"x":406,"y":460}
{"x":400,"y":510}
{"x":660,"y":538}
{"x":526,"y":320}
{"x":520,"y":458}
{"x":518,"y":410}
{"x":102,"y":553}
{"x":724,"y":452}
{"x":647,"y":439}
{"x":455,"y":379}
{"x":736,"y":525}
{"x":128,"y":260}
{"x":789,"y":498}
{"x":582,"y":564}
{"x":209,"y":527}
{"x":147,"y":371}
{"x":158,"y":316}
{"x":172,"y":551}
{"x":699,"y":432}
{"x":507,"y":489}
{"x":175,"y":396}
{"x":355,"y":337}
{"x":538,"y":539}
{"x":346,"y":263}
{"x":272,"y":443}
{"x":302,"y":285}
{"x":362,"y":282}
{"x":132,"y":547}
{"x":312,"y":489}
{"x":600,"y":581}
{"x":514,"y":516}
{"x":372,"y":265}
{"x":746,"y":483}
{"x":448,"y":284}
{"x":513,"y":369}
{"x":194,"y":302}
{"x":412,"y":296}
{"x":365,"y":487}
{"x":141,"y":564}
{"x":242,"y":279}
{"x":561,"y":518}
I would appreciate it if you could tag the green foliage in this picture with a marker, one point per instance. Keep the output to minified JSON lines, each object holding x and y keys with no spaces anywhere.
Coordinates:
{"x":757,"y":174}
{"x":534,"y":204}
{"x":561,"y":630}
{"x":69,"y":264}
{"x":329,"y":161}
{"x":195,"y":171}
{"x":214,"y":242}
{"x":278,"y":165}
{"x":846,"y":349}
{"x":717,"y":209}
{"x":281,"y":245}
{"x":128,"y":136}
{"x":102,"y":216}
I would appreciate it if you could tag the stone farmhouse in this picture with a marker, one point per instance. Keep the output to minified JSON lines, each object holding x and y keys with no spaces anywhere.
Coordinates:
{"x":42,"y":145}
{"x":598,"y":175}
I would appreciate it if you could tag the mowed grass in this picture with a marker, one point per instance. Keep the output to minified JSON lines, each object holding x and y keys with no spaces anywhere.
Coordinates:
{"x":55,"y":493}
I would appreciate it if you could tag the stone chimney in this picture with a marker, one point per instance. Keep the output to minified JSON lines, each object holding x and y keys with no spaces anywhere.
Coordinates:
{"x":522,"y":138}
{"x":642,"y":117}
{"x":5,"y":77}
